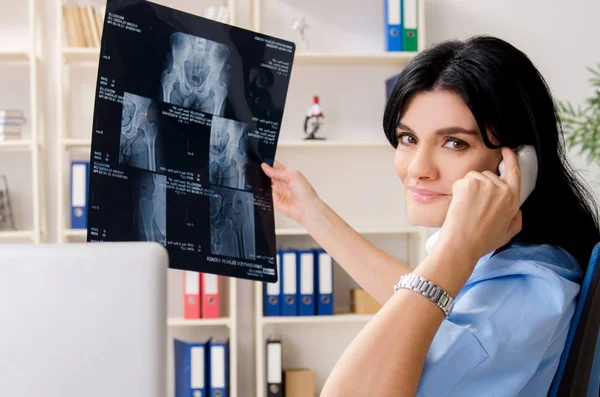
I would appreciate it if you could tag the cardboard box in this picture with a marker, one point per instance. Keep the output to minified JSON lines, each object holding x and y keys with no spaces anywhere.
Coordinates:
{"x":363,"y":303}
{"x":299,"y":382}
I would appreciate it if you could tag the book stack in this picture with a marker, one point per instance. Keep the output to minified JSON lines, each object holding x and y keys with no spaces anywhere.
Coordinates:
{"x":83,"y":25}
{"x":11,"y":121}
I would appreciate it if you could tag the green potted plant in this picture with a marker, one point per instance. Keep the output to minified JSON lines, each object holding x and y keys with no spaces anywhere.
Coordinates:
{"x":581,"y":125}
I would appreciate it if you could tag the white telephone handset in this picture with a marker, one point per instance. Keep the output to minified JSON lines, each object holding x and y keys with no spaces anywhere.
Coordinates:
{"x":529,"y":167}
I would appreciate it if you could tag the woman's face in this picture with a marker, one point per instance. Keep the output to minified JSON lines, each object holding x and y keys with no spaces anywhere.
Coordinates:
{"x":438,"y":144}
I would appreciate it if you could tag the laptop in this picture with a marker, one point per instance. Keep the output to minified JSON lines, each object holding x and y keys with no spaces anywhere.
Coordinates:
{"x":83,"y":319}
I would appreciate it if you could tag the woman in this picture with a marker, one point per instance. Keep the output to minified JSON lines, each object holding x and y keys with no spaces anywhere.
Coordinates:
{"x":513,"y":272}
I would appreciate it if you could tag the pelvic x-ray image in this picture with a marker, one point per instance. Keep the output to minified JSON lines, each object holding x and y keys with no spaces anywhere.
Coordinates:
{"x":150,"y":206}
{"x":232,"y":223}
{"x":196,"y":75}
{"x":186,"y":110}
{"x":228,"y":155}
{"x":141,"y":139}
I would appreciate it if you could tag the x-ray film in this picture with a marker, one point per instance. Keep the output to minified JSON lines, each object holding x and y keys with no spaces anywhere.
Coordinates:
{"x":186,"y":109}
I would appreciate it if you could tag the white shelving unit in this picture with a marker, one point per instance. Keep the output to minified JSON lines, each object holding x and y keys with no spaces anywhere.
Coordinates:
{"x":67,"y":143}
{"x":278,"y":327}
{"x":32,"y":145}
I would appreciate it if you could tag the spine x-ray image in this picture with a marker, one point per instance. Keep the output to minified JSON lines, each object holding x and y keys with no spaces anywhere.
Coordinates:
{"x":228,"y":153}
{"x":232,"y":223}
{"x":150,"y":204}
{"x":140,"y":144}
{"x":196,"y":75}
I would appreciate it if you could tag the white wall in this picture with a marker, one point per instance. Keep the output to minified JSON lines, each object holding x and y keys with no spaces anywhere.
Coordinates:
{"x":560,"y":37}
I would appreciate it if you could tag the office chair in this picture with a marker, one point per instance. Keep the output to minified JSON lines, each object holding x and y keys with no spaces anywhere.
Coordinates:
{"x":578,"y":373}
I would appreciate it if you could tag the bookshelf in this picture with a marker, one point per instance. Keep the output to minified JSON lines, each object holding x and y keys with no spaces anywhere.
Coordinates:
{"x":76,"y":75}
{"x":21,"y":56}
{"x":336,"y":158}
{"x":340,"y":156}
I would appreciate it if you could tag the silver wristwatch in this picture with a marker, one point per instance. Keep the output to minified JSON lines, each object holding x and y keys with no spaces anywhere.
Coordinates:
{"x":427,"y":289}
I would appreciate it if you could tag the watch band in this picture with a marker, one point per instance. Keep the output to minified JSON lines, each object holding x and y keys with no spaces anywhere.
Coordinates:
{"x":428,"y":289}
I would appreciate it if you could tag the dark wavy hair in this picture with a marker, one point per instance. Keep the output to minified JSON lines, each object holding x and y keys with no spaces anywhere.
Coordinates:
{"x":510,"y":100}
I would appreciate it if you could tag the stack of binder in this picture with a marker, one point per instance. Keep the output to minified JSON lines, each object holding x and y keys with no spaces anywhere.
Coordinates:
{"x":202,"y":368}
{"x":11,"y":121}
{"x":80,"y":177}
{"x":201,"y":295}
{"x":305,"y":285}
{"x":401,"y":25}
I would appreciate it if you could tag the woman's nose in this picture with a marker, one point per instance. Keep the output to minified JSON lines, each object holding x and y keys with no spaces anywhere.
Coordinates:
{"x":422,"y":165}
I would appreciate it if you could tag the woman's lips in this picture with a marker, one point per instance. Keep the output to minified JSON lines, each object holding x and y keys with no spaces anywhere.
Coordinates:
{"x":424,"y":195}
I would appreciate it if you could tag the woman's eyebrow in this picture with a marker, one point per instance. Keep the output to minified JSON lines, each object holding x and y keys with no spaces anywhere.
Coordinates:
{"x":443,"y":131}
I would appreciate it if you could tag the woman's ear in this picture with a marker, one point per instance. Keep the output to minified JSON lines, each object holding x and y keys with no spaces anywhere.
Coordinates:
{"x":498,"y":161}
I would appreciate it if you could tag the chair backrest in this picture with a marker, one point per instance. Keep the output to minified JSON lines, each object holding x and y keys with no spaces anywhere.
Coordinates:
{"x":578,"y":373}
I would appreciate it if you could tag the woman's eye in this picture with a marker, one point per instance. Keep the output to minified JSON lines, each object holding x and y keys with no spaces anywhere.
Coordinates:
{"x":405,"y":139}
{"x":452,"y":143}
{"x":456,"y":144}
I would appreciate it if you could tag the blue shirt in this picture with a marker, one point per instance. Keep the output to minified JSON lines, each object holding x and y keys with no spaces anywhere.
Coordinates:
{"x":508,"y":327}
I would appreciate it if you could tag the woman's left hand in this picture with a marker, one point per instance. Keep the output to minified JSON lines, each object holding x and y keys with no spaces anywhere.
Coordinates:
{"x":484,"y":213}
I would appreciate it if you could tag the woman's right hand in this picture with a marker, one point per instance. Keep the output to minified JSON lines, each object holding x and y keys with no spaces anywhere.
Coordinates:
{"x":293,"y":195}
